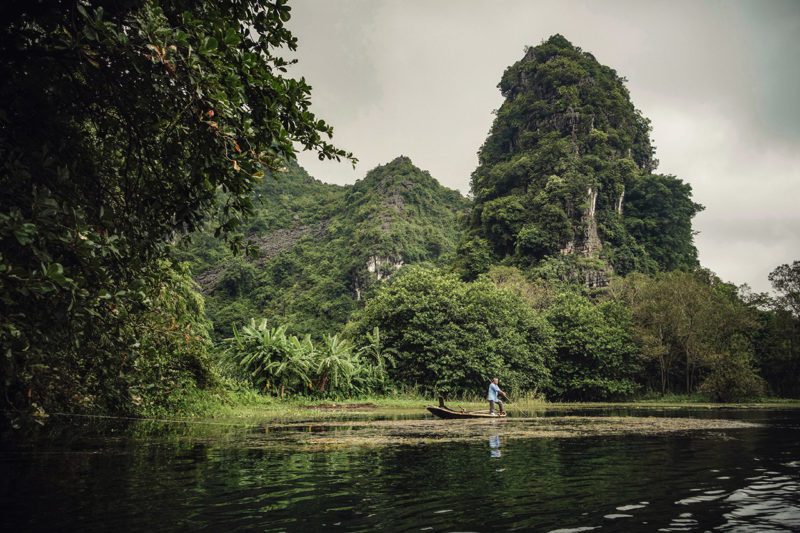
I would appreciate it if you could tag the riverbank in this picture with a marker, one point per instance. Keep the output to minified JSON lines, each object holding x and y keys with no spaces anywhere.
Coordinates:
{"x":314,"y":424}
{"x":373,"y":422}
{"x":250,"y":405}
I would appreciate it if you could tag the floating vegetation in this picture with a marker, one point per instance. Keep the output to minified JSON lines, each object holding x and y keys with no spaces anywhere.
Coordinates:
{"x":425,"y":431}
{"x":343,"y":406}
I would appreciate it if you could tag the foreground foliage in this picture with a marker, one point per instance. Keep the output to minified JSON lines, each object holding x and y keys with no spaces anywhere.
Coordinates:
{"x":120,"y":124}
{"x":134,"y":352}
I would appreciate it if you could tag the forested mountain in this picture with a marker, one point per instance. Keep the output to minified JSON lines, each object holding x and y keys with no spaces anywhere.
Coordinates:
{"x":573,"y":272}
{"x":567,"y":169}
{"x":320,"y":248}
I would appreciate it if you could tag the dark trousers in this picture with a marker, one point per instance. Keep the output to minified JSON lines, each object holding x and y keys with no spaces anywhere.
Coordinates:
{"x":499,"y":404}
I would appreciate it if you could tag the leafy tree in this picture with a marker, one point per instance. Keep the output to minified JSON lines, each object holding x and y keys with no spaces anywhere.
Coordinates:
{"x":785,"y":280}
{"x":693,"y":327}
{"x":540,"y":294}
{"x":777,"y":339}
{"x":122,"y":125}
{"x":451,"y":337}
{"x":170,"y":344}
{"x":595,"y":354}
{"x":733,"y":379}
{"x":473,"y":257}
{"x":658,"y":215}
{"x":777,"y":350}
{"x":650,"y":305}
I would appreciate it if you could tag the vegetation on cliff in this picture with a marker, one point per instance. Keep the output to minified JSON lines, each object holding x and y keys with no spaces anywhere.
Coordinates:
{"x":320,"y":249}
{"x":567,"y":169}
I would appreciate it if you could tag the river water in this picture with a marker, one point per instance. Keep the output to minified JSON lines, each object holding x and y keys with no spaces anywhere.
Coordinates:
{"x":151,"y":477}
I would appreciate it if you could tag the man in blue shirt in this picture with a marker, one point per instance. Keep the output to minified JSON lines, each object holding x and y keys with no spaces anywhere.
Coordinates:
{"x":493,"y":398}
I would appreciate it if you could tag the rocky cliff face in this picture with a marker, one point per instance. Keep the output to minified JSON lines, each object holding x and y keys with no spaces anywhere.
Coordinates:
{"x":565,"y":146}
{"x":402,"y":216}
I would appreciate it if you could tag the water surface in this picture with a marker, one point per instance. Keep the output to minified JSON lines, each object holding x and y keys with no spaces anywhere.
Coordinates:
{"x":161,"y":477}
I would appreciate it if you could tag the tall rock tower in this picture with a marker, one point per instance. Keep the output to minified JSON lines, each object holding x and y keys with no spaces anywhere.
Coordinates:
{"x":566,"y":154}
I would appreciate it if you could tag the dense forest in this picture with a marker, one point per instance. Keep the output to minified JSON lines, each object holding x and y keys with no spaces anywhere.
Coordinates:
{"x":158,"y":238}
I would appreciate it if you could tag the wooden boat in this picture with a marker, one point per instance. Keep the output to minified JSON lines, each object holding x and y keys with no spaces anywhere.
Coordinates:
{"x":447,"y":413}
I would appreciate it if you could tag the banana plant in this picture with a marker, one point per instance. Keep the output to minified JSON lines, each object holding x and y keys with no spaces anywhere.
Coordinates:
{"x":276,"y":362}
{"x":260,"y":352}
{"x":378,"y":358}
{"x":335,"y":365}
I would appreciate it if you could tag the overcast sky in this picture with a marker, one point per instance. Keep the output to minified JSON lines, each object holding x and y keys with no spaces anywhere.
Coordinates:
{"x":720,"y":81}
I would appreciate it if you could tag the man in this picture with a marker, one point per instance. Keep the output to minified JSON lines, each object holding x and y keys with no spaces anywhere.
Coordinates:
{"x":494,"y":390}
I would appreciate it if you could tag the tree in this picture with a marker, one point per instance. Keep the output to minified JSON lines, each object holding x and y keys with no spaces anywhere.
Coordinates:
{"x":694,"y":321}
{"x":732,"y":378}
{"x":595,"y":354}
{"x":658,"y":215}
{"x":451,"y":337}
{"x":785,"y":280}
{"x":539,"y":293}
{"x":777,"y":339}
{"x":777,"y":350}
{"x":123,"y":125}
{"x":650,"y":317}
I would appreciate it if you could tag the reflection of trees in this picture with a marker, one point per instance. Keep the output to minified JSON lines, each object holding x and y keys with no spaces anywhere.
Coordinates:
{"x":191,"y":476}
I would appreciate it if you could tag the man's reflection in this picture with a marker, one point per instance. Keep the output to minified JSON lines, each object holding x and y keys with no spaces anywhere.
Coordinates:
{"x":494,"y":446}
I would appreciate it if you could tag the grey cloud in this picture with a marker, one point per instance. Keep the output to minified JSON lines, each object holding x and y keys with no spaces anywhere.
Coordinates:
{"x":719,"y":79}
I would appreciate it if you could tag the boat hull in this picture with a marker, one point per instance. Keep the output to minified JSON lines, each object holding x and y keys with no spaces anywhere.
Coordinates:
{"x":450,"y":414}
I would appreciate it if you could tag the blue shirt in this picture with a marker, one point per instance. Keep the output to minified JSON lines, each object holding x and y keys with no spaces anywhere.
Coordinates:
{"x":493,"y":390}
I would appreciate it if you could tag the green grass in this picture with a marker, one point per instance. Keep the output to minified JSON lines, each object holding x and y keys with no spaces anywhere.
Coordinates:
{"x":244,"y":404}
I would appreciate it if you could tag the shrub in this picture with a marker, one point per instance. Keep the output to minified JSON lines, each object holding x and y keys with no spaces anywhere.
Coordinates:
{"x":733,"y":379}
{"x":278,"y":363}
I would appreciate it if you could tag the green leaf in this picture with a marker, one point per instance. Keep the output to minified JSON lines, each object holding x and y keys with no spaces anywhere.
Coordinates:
{"x":210,"y":44}
{"x":90,"y":34}
{"x":25,"y":233}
